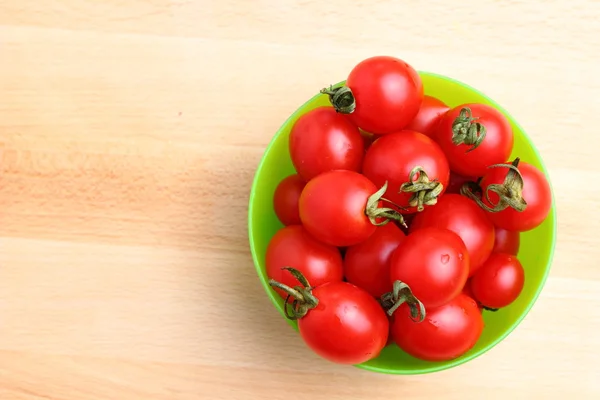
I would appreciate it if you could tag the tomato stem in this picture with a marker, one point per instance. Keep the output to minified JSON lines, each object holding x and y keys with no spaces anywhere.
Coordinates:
{"x":341,"y":98}
{"x":424,"y":192}
{"x":400,"y":294}
{"x":374,"y":212}
{"x":490,"y":309}
{"x":510,"y":192}
{"x":466,"y":130}
{"x":303,"y":299}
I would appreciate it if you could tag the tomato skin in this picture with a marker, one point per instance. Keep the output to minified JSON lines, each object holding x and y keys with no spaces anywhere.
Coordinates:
{"x":446,"y":333}
{"x":464,"y":217}
{"x":434,"y":263}
{"x":286,"y":197}
{"x":332,"y":208}
{"x":391,"y":158}
{"x":467,"y":291}
{"x":323,"y":140}
{"x":428,"y":116}
{"x":348,"y":326}
{"x":294,"y":247}
{"x":388,"y":93}
{"x":457,"y":181}
{"x":507,"y":242}
{"x":536,"y":192}
{"x":499,"y":281}
{"x":367,"y":264}
{"x":494,"y":149}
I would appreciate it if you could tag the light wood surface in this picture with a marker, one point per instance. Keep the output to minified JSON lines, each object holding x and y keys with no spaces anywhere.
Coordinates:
{"x":130,"y":131}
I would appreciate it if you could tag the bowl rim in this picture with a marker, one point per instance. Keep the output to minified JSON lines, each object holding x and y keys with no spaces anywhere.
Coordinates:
{"x":432,"y":367}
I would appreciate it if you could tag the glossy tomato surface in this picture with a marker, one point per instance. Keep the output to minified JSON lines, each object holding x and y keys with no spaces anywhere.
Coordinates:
{"x":464,"y":217}
{"x":323,"y":140}
{"x":294,"y":247}
{"x":286,"y":198}
{"x":348,"y":326}
{"x":434,"y":263}
{"x":367,"y":264}
{"x":428,"y":117}
{"x":499,"y":281}
{"x":446,"y":333}
{"x":507,"y":241}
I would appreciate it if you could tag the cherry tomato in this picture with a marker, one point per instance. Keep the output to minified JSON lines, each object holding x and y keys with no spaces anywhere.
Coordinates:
{"x":334,"y":208}
{"x":434,"y":263}
{"x":286,"y":197}
{"x":457,"y":181}
{"x":507,"y":242}
{"x":382,"y":95}
{"x":462,"y":216}
{"x":339,"y":321}
{"x":469,"y":292}
{"x":366,"y":264}
{"x":429,"y":116}
{"x":294,"y":247}
{"x":499,"y":281}
{"x":461,"y":136}
{"x":392,"y":157}
{"x":446,"y":333}
{"x":323,"y":140}
{"x":535,"y":190}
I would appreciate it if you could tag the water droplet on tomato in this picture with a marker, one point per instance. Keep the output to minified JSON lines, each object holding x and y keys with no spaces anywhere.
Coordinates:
{"x":445,"y":258}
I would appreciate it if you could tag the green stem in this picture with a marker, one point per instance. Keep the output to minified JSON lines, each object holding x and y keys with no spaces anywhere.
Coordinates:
{"x":341,"y":98}
{"x":424,"y":192}
{"x":374,"y":212}
{"x":466,"y":130}
{"x":303,"y":299}
{"x":400,"y":294}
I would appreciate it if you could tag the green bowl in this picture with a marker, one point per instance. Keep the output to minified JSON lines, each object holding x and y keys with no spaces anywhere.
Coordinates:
{"x":537,"y":246}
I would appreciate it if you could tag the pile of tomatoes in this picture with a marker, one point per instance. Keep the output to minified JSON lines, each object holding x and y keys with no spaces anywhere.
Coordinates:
{"x":402,"y":223}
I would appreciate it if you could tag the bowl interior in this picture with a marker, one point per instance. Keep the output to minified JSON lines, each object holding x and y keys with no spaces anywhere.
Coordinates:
{"x":536,"y":246}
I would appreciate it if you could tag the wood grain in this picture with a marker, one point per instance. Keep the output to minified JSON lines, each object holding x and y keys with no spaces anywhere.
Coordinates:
{"x":129,"y":135}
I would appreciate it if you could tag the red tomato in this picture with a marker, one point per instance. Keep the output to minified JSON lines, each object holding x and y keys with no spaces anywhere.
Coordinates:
{"x":507,"y":242}
{"x":429,"y":116}
{"x":382,"y":95}
{"x":286,"y":197}
{"x":366,"y":264}
{"x":499,"y":281}
{"x":323,"y":140}
{"x":339,"y":321}
{"x":474,"y":136}
{"x":535,"y":190}
{"x":294,"y":247}
{"x":392,"y":157}
{"x":469,"y":292}
{"x":457,"y":181}
{"x":462,"y":216}
{"x":334,"y":208}
{"x":446,"y":333}
{"x":434,"y":263}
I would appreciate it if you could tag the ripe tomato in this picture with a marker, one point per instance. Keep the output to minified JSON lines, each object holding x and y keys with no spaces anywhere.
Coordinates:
{"x":340,"y":208}
{"x":469,"y":292}
{"x":382,"y":95}
{"x":366,"y":264}
{"x":434,"y":263}
{"x":323,"y":140}
{"x":499,"y":281}
{"x":286,"y":197}
{"x":447,"y":332}
{"x":507,"y":242}
{"x":294,"y":247}
{"x":462,"y":216}
{"x":393,"y":157}
{"x":339,"y":321}
{"x":429,"y":116}
{"x":457,"y":181}
{"x":474,"y":136}
{"x":531,"y":187}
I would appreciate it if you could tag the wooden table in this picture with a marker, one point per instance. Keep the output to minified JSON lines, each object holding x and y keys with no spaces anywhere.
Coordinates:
{"x":130,"y":131}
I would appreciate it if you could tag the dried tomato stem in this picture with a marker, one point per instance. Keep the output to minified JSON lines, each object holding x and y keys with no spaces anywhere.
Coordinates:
{"x":374,"y":212}
{"x":303,"y":299}
{"x":341,"y":98}
{"x":424,"y":192}
{"x":400,"y":294}
{"x":466,"y":130}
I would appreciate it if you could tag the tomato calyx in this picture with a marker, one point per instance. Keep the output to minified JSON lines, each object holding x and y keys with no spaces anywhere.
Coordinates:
{"x":490,"y":309}
{"x":341,"y":98}
{"x":466,"y":130}
{"x":424,"y":192}
{"x":401,"y":293}
{"x":303,"y":301}
{"x":374,"y":212}
{"x":510,"y":192}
